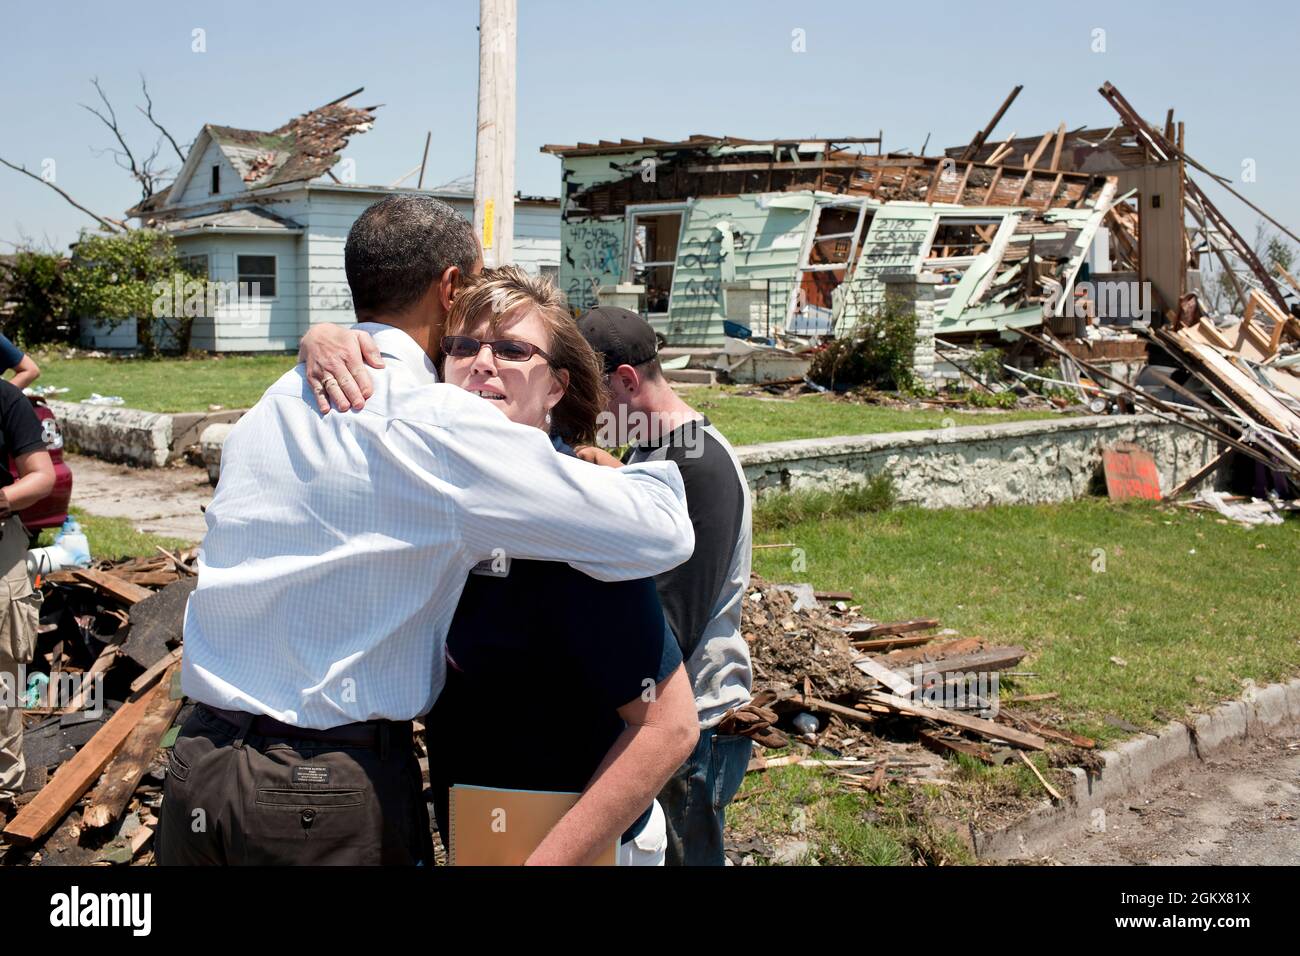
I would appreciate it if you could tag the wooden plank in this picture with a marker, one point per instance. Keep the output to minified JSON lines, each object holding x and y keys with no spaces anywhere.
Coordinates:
{"x":112,"y":585}
{"x":102,"y":663}
{"x":813,"y":703}
{"x":979,"y":662}
{"x":76,"y":776}
{"x":900,"y":627}
{"x":1200,"y":476}
{"x":1056,"y":151}
{"x":150,"y":675}
{"x":982,"y":136}
{"x":1043,"y":730}
{"x":889,"y":643}
{"x":123,"y":773}
{"x":1038,"y":151}
{"x":946,"y":745}
{"x":976,"y":725}
{"x":993,"y":184}
{"x":895,"y":682}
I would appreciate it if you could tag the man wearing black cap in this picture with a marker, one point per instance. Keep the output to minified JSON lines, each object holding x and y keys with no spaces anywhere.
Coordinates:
{"x":701,"y":598}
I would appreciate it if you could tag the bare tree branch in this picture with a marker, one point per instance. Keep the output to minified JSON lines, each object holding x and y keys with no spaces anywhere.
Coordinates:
{"x":112,"y":225}
{"x":147,"y":110}
{"x":142,"y":175}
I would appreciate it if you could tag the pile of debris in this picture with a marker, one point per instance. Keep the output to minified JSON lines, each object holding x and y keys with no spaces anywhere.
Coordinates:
{"x":101,"y":698}
{"x":877,"y":695}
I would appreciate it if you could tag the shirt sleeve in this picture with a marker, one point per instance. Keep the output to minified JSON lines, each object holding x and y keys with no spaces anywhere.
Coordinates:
{"x":632,"y":652}
{"x":517,"y":497}
{"x":22,"y":429}
{"x":716,"y":502}
{"x":10,"y":354}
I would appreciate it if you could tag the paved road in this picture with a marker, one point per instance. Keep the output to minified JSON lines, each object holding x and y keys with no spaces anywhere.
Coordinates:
{"x":1241,"y":807}
{"x":164,"y":501}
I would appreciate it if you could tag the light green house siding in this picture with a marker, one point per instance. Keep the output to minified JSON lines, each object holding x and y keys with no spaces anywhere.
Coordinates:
{"x":731,"y":239}
{"x":591,"y":256}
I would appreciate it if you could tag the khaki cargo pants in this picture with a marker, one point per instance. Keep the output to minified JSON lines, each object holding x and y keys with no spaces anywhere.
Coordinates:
{"x":19,"y":617}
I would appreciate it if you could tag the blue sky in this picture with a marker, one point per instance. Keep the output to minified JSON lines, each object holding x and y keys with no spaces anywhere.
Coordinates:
{"x":618,"y":68}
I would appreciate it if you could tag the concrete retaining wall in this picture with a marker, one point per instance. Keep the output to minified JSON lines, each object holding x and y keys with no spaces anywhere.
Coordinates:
{"x":132,"y":436}
{"x":1012,"y":463}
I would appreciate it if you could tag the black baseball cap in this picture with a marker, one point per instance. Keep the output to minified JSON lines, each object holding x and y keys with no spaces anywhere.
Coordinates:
{"x":620,"y":336}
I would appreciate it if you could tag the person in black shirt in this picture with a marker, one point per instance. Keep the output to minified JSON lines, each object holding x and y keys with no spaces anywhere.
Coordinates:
{"x":21,"y":440}
{"x":555,"y":681}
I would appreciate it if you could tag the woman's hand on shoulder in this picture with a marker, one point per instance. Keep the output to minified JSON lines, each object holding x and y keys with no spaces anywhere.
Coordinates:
{"x":597,"y":456}
{"x":336,"y":360}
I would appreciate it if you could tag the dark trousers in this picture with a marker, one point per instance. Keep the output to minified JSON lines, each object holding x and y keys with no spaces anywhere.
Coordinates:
{"x":695,"y":799}
{"x":348,"y":796}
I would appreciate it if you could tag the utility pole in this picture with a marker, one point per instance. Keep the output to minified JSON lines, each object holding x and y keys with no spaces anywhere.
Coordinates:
{"x":494,"y":159}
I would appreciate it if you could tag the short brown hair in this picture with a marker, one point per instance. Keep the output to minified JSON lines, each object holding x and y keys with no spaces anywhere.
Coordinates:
{"x":496,"y":293}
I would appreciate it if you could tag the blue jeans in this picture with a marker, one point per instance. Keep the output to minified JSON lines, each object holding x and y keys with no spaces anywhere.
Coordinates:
{"x":696,"y":796}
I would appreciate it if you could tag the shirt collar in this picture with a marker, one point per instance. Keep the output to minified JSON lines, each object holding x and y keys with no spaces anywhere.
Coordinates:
{"x":397,"y":344}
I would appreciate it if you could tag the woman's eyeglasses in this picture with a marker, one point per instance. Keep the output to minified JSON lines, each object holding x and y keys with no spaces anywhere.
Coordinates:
{"x":508,"y":350}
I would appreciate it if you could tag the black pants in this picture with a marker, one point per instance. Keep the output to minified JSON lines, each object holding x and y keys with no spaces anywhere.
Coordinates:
{"x":234,"y":797}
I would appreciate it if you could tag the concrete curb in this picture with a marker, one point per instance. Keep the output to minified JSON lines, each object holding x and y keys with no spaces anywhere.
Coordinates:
{"x":1133,"y":764}
{"x":129,"y":435}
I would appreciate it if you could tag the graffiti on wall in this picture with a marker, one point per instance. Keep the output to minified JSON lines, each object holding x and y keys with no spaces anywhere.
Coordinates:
{"x":593,"y":256}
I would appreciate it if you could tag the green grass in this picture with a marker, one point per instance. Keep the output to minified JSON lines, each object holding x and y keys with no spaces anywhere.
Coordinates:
{"x":166,"y":384}
{"x":115,"y":538}
{"x":1195,"y":608}
{"x":842,"y":826}
{"x":237,"y":381}
{"x":749,"y":420}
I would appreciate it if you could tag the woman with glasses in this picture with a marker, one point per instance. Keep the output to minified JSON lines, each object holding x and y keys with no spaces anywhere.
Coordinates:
{"x":555,"y":681}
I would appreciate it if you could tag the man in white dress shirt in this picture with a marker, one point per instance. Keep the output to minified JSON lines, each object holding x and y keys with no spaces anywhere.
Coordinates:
{"x":336,"y":551}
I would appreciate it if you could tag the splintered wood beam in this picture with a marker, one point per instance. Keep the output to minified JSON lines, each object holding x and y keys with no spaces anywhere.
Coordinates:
{"x":934,"y":181}
{"x":976,"y":725}
{"x":112,"y":585}
{"x":961,"y":186}
{"x":75,"y":776}
{"x":1038,"y":151}
{"x":1051,"y":195}
{"x":895,"y":682}
{"x":1056,"y":151}
{"x":993,"y":184}
{"x":987,"y":131}
{"x":1024,"y":183}
{"x":123,"y":773}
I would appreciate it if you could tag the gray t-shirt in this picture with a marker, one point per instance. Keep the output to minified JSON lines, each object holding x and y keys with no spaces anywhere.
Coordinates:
{"x":702,"y":598}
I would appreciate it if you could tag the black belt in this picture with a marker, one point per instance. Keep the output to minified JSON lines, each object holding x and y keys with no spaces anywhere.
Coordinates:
{"x":371,"y":733}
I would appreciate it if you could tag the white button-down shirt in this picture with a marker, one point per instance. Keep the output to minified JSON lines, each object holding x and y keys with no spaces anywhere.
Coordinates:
{"x":338,"y":545}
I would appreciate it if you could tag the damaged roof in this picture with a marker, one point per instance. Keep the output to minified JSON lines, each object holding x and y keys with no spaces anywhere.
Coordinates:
{"x":695,"y":140}
{"x":302,"y":149}
{"x":233,"y":220}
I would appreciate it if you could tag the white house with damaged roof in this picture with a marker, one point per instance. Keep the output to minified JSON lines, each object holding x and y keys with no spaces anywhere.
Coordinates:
{"x":274,"y":208}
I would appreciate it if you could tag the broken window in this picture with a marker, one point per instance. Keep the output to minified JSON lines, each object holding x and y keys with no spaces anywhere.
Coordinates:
{"x":958,"y":237}
{"x":653,"y":256}
{"x":829,"y":257}
{"x":260,"y":270}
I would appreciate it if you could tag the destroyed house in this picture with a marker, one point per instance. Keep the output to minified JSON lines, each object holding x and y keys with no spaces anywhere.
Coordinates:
{"x":805,"y":236}
{"x":274,"y":208}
